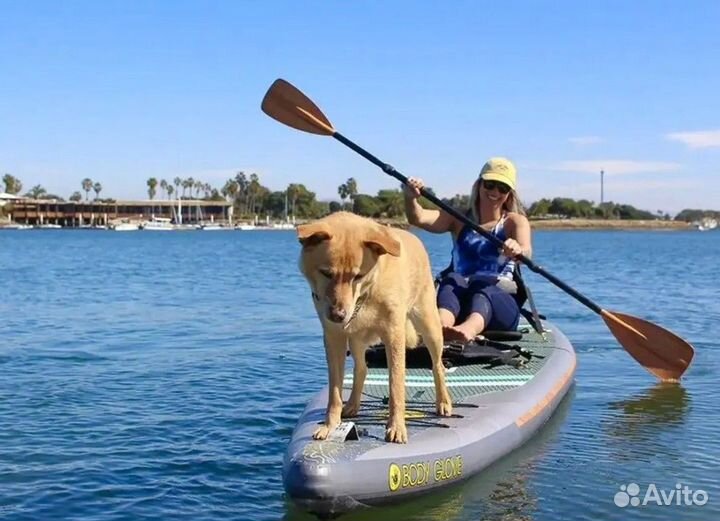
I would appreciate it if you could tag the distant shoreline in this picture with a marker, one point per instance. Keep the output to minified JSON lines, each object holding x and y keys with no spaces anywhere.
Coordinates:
{"x":539,"y":224}
{"x":586,"y":224}
{"x":608,"y":224}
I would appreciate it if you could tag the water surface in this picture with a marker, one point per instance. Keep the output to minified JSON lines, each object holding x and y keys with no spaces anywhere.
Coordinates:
{"x":159,"y":376}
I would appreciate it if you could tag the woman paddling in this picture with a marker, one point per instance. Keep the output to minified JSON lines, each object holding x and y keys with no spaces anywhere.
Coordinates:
{"x":477,"y":292}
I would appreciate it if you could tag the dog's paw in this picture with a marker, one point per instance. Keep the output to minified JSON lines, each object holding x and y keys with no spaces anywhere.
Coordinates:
{"x":443,"y":407}
{"x":321,"y":433}
{"x":396,"y":432}
{"x":350,"y":410}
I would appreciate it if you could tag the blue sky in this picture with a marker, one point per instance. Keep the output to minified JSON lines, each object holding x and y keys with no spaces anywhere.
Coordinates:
{"x":121,"y":91}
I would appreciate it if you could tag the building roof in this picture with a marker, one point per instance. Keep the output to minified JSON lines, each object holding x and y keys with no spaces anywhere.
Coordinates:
{"x":9,"y":197}
{"x":147,"y":202}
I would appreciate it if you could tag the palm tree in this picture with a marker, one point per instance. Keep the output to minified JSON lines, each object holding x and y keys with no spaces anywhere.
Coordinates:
{"x":253,"y":190}
{"x":292,"y":192}
{"x":198,"y":186}
{"x":87,"y":185}
{"x":187,"y":183}
{"x":352,"y":188}
{"x":152,"y":185}
{"x":36,"y":192}
{"x":97,"y":188}
{"x":230,"y":189}
{"x":177,"y":182}
{"x":163,"y":186}
{"x":242,"y":184}
{"x":170,"y":191}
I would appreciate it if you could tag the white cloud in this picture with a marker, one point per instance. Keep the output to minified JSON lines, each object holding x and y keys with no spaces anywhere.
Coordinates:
{"x":585,"y":140}
{"x":698,"y":139}
{"x":614,"y":166}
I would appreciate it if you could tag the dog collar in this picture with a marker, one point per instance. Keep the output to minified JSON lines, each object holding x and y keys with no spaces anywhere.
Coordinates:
{"x":358,"y":304}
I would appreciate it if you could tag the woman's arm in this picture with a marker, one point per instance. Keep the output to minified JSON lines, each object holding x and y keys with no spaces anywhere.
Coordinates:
{"x":435,"y":221}
{"x":519,"y":239}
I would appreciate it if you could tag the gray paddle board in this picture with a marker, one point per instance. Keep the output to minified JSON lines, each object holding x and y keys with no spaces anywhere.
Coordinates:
{"x":496,"y":409}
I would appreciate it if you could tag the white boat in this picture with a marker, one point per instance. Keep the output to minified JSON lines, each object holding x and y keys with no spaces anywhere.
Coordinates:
{"x":125,"y":227}
{"x":283,"y":226}
{"x":158,"y":224}
{"x":707,"y":224}
{"x":15,"y":226}
{"x":185,"y":227}
{"x":210,"y":227}
{"x":246,"y":227}
{"x":48,"y":226}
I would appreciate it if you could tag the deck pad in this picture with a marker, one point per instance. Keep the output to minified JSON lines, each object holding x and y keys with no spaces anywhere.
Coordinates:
{"x":465,"y":380}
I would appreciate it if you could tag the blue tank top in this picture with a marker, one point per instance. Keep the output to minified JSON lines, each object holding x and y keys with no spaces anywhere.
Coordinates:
{"x":474,"y":255}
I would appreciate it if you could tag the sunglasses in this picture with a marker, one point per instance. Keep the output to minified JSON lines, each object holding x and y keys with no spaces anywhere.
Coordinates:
{"x":492,"y":185}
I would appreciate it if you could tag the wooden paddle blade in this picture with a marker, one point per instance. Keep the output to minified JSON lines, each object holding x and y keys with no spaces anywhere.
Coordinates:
{"x":291,"y":107}
{"x":658,"y":350}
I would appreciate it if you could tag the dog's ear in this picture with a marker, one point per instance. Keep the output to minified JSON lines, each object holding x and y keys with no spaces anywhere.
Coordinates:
{"x":313,"y":233}
{"x":382,"y":242}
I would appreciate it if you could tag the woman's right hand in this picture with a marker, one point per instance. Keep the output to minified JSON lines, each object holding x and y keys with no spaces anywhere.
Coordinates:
{"x":413,"y":187}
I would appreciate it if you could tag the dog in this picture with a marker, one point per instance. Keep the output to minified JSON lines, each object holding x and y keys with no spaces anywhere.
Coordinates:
{"x":371,"y":283}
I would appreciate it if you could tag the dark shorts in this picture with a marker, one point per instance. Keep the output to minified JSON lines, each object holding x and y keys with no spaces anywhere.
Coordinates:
{"x":462,"y":297}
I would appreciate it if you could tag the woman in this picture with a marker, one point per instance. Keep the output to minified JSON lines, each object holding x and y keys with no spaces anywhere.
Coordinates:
{"x":477,"y":293}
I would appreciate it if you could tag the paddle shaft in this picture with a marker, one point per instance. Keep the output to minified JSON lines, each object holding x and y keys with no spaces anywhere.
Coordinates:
{"x":388,"y":169}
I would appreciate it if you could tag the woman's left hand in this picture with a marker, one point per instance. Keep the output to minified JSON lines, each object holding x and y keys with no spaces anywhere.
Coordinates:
{"x":511,"y":248}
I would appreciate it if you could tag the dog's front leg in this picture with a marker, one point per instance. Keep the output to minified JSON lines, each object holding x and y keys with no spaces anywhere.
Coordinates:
{"x":357,"y":348}
{"x":335,"y":347}
{"x":394,"y":339}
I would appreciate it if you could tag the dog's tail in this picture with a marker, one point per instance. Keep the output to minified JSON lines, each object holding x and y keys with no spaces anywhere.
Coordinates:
{"x":412,"y":339}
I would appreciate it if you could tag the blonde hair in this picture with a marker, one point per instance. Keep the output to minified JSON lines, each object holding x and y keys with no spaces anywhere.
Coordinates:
{"x":511,"y":204}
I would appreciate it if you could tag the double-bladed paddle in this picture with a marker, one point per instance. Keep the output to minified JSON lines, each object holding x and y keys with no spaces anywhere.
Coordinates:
{"x":658,"y":350}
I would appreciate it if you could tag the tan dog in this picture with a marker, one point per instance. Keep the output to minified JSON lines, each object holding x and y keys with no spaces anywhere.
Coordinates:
{"x":370,"y":282}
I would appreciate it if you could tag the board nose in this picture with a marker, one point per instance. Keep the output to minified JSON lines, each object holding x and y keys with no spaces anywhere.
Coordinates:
{"x":313,"y":488}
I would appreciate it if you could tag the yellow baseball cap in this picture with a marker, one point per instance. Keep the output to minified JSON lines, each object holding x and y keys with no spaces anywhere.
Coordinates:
{"x":500,"y":169}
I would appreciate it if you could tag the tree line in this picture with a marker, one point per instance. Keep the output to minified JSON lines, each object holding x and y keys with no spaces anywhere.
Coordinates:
{"x":693,"y":215}
{"x":251,"y":198}
{"x":583,"y":209}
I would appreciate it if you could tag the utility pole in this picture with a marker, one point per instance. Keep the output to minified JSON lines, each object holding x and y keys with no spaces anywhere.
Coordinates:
{"x":286,"y":206}
{"x":602,"y":187}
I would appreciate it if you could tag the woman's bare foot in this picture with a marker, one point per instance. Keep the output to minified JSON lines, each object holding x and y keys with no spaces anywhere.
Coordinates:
{"x":466,"y":331}
{"x":456,"y":334}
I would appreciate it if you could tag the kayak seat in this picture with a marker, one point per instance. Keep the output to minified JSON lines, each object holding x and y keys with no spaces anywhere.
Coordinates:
{"x":502,"y":335}
{"x":481,"y":351}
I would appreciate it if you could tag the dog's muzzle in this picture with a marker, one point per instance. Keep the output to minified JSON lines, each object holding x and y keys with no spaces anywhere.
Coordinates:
{"x":336,"y":315}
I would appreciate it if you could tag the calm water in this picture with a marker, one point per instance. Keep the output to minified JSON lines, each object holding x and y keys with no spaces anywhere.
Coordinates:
{"x":159,"y":376}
